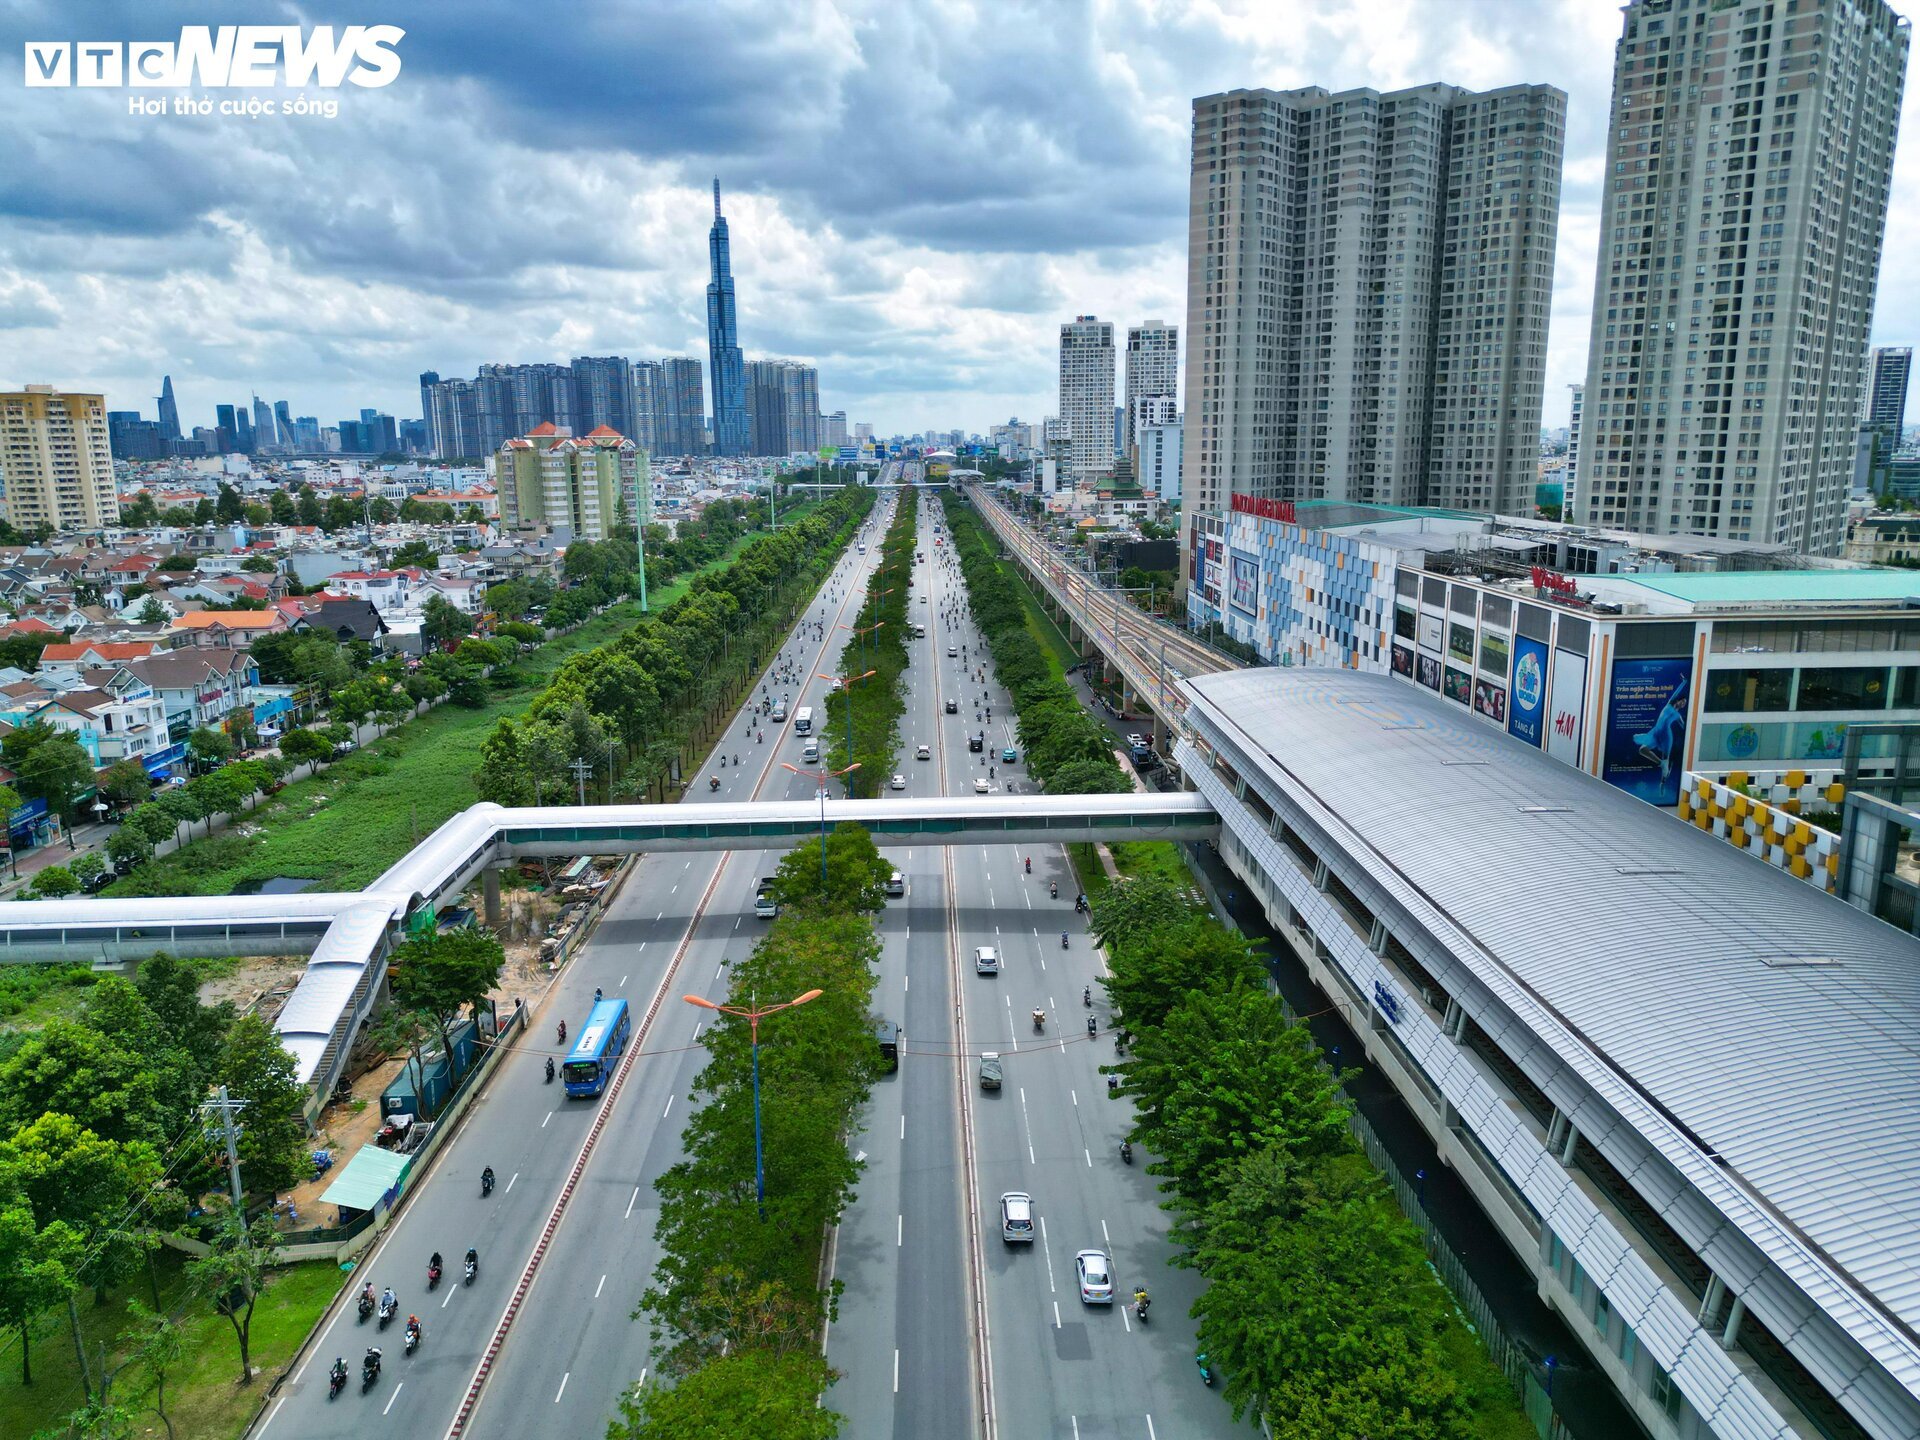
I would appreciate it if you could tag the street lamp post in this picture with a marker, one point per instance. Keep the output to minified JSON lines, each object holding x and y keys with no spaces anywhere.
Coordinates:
{"x":753,"y":1015}
{"x":820,"y":778}
{"x":847,"y":683}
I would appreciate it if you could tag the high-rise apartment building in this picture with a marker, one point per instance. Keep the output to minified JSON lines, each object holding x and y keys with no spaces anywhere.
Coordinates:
{"x":603,"y":394}
{"x":56,"y":468}
{"x":1887,"y":391}
{"x":1750,"y":150}
{"x":783,"y":407}
{"x":1368,"y":284}
{"x":833,"y":429}
{"x":1158,"y":466}
{"x":169,"y":409}
{"x":1153,"y":371}
{"x":550,"y":480}
{"x":668,"y":405}
{"x":1572,"y":470}
{"x":731,"y":435}
{"x":1086,"y":394}
{"x":289,"y":438}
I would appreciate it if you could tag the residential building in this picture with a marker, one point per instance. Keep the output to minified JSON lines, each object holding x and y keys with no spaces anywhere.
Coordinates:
{"x":727,"y":366}
{"x":1159,"y":463}
{"x":225,"y":629}
{"x":603,"y":394}
{"x":1368,"y":284}
{"x":1740,"y":255}
{"x":386,"y":590}
{"x":582,"y":487}
{"x":1572,"y":467}
{"x":833,"y":430}
{"x":56,"y":467}
{"x":345,"y":620}
{"x":783,"y":407}
{"x":198,"y":687}
{"x":1881,"y":431}
{"x":1086,"y":394}
{"x":1153,"y":372}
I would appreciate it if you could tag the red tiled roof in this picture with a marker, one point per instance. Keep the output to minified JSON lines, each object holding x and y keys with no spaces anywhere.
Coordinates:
{"x":605,"y":430}
{"x":548,"y":428}
{"x":112,"y":650}
{"x":29,"y":625}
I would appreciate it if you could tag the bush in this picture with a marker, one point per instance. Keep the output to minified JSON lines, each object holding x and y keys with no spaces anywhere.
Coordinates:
{"x":54,"y":881}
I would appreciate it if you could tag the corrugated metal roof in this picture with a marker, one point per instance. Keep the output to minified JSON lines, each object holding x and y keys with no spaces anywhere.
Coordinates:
{"x":1650,"y":941}
{"x":1751,"y":586}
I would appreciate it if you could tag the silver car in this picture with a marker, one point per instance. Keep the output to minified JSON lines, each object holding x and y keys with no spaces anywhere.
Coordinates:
{"x":1095,"y":1270}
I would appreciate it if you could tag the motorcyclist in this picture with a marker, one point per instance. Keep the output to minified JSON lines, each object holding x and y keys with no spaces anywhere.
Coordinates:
{"x":413,"y":1327}
{"x":486,"y":1179}
{"x":338,"y":1374}
{"x":387,"y":1299}
{"x":1039,"y":1018}
{"x":372,"y":1361}
{"x":563,"y":1032}
{"x":549,"y":1068}
{"x":1086,"y":996}
{"x":1063,"y":939}
{"x":434,"y":1263}
{"x":1029,"y":865}
{"x":597,"y":996}
{"x":473,"y":1256}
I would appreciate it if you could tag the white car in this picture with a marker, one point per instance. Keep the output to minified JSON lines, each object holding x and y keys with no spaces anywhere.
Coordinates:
{"x":899,"y":782}
{"x":1136,"y":740}
{"x":980,"y":787}
{"x":1096,"y":1277}
{"x":953,"y":652}
{"x":986,"y":960}
{"x":923,"y":752}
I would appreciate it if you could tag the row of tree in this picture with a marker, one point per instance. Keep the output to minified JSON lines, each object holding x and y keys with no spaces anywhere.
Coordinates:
{"x":299,"y":506}
{"x":1320,"y":1307}
{"x":862,"y":724}
{"x":1067,"y":750}
{"x":622,"y":711}
{"x":736,"y":1305}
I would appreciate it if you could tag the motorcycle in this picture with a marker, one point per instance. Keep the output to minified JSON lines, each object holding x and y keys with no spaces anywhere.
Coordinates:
{"x":433,"y":1276}
{"x":369,"y":1372}
{"x":1086,"y":996}
{"x":1039,"y":1022}
{"x":713,"y":782}
{"x":1063,"y":939}
{"x":413,"y":1338}
{"x":1126,"y":1151}
{"x":1140,"y":1303}
{"x":386,"y":1313}
{"x":473,"y":1269}
{"x":1053,"y":889}
{"x":486,"y":1184}
{"x":366,"y":1308}
{"x":1093,"y":1026}
{"x":549,"y":1070}
{"x":1206,"y":1370}
{"x":336,"y":1381}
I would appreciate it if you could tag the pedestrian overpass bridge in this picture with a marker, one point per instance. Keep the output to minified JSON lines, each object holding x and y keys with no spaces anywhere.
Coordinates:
{"x":349,"y":935}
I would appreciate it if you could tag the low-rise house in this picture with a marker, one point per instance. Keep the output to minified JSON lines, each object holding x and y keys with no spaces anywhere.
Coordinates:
{"x":385,"y":590}
{"x":225,"y":629}
{"x":69,"y":658}
{"x":345,"y":619}
{"x":197,"y":687}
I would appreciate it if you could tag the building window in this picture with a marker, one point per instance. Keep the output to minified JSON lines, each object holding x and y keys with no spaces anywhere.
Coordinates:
{"x":1847,"y":687}
{"x":1749,"y":689}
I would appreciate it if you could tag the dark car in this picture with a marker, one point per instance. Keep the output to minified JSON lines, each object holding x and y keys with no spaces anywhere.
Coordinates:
{"x":953,"y":707}
{"x":94,"y":884}
{"x":975,"y":743}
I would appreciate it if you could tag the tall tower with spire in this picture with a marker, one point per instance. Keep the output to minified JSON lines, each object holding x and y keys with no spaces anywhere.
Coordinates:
{"x":729,"y":371}
{"x":169,"y":410}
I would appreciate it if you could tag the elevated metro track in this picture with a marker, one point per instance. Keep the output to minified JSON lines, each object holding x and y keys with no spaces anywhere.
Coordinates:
{"x":349,"y":935}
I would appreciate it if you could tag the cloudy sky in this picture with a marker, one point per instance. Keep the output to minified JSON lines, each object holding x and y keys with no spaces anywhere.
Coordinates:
{"x":919,"y":191}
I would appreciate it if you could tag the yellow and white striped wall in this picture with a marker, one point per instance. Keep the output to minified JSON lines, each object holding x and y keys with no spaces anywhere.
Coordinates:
{"x":1759,"y":812}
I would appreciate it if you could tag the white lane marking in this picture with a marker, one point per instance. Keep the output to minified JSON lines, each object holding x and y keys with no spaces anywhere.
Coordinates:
{"x":1089,"y":1155}
{"x":623,"y":982}
{"x":393,"y":1397}
{"x":720,"y":969}
{"x":906,"y":982}
{"x":1056,"y":1314}
{"x":631,"y":1201}
{"x":1076,"y":1426}
{"x":899,"y":1231}
{"x":1105,"y":1239}
{"x":674,"y":891}
{"x":896,"y":1372}
{"x":509,"y":1189}
{"x":643,"y":1378}
{"x":1074,"y":1096}
{"x":1150,"y":1434}
{"x":563,"y":1387}
{"x":1047,"y":1246}
{"x":601,"y":1286}
{"x":903,"y":1127}
{"x":660,"y":916}
{"x":282,"y":1402}
{"x":1125,"y":1324}
{"x":670,"y":1100}
{"x":550,"y":1115}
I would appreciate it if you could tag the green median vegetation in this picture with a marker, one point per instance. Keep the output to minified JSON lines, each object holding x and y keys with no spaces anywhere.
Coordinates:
{"x":1320,"y":1310}
{"x":877,"y":643}
{"x":1067,"y":750}
{"x":736,"y":1306}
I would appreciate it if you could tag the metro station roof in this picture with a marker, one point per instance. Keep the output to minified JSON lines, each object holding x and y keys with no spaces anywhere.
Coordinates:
{"x":1772,"y":1028}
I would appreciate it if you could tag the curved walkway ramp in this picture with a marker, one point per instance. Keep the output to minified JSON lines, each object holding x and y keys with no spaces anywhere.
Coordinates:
{"x":348,"y":935}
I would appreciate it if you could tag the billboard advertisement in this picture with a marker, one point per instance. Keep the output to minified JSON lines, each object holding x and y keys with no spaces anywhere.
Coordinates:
{"x":1402,"y":661}
{"x":1647,"y":727}
{"x":1458,"y":686}
{"x":1567,"y":705}
{"x":1460,"y":641}
{"x":1490,"y":700}
{"x":1430,"y":633}
{"x":1429,"y":674}
{"x":1243,"y":588}
{"x":1493,"y":653}
{"x":1527,"y":709}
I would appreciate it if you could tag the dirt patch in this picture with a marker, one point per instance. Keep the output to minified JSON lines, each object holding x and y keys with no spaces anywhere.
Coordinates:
{"x":258,"y":981}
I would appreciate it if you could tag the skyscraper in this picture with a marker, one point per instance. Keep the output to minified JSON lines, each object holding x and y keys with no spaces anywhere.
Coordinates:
{"x":228,"y":431}
{"x":169,"y":410}
{"x":55,"y":461}
{"x":289,"y":437}
{"x":1751,"y":150}
{"x":1153,"y":370}
{"x":1887,"y":392}
{"x":1086,"y":394}
{"x":783,"y":407}
{"x":727,"y":365}
{"x":603,"y":394}
{"x":265,"y":433}
{"x":1573,"y":448}
{"x":1368,"y":284}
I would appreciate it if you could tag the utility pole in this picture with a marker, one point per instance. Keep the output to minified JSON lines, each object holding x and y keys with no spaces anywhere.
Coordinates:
{"x":226,"y":1108}
{"x":581,"y":769}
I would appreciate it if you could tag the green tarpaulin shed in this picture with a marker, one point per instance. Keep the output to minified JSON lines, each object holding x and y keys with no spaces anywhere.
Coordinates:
{"x":370,"y":1174}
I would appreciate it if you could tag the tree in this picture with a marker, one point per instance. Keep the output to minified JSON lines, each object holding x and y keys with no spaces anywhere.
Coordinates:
{"x":281,"y":507}
{"x":856,"y":875}
{"x":441,"y":622}
{"x":1130,"y":909}
{"x":140,"y":513}
{"x":753,"y":1392}
{"x":128,"y":846}
{"x":1159,"y":969}
{"x":39,"y":1267}
{"x":259,"y":565}
{"x":49,"y":764}
{"x":417,"y":553}
{"x":179,"y":564}
{"x":1089,"y":777}
{"x":86,"y":866}
{"x":125,"y":783}
{"x":255,"y":1067}
{"x":510,"y":599}
{"x":227,"y":508}
{"x":151,"y":612}
{"x":171,"y":989}
{"x":303,"y":745}
{"x":209,"y":747}
{"x":233,"y":1274}
{"x":71,"y":1069}
{"x":444,"y":973}
{"x":157,"y":1347}
{"x":22,"y":651}
{"x":54,"y":882}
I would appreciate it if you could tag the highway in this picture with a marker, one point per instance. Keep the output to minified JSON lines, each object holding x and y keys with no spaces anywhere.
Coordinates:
{"x":940,"y":1151}
{"x":572,"y":1347}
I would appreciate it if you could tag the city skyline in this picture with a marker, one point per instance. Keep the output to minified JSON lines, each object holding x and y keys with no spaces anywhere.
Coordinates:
{"x":920,"y":286}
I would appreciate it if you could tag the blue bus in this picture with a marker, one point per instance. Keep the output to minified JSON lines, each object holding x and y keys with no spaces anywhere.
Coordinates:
{"x":597,"y":1049}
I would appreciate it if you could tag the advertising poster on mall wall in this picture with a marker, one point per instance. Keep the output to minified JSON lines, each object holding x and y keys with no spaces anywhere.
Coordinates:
{"x":1429,"y":675}
{"x":1458,"y":686}
{"x":1243,"y":590}
{"x":1567,"y":706}
{"x":1490,"y":700}
{"x":1430,"y":634}
{"x":1646,"y":732}
{"x":1527,"y":704}
{"x":1403,"y":661}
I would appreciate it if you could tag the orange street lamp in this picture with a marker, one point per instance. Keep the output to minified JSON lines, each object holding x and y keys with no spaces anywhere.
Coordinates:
{"x":753,"y":1016}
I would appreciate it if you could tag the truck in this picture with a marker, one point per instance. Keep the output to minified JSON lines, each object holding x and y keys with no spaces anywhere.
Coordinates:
{"x":765,"y":907}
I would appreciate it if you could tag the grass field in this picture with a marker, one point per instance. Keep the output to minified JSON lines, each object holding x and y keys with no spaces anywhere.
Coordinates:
{"x":345,"y":826}
{"x":203,"y":1399}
